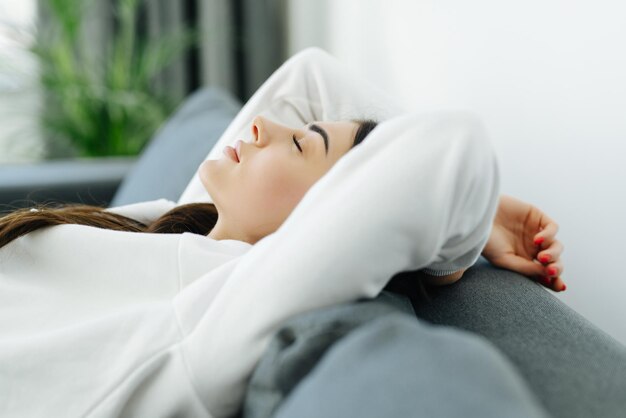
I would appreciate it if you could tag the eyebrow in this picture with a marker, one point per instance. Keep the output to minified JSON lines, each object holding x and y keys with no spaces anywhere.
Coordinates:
{"x":321,"y":131}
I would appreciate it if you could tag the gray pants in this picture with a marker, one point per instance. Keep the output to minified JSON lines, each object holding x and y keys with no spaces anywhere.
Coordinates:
{"x":375,"y":359}
{"x":492,"y":344}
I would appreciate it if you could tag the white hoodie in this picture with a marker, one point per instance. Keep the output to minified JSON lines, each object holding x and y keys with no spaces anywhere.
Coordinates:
{"x":100,"y":323}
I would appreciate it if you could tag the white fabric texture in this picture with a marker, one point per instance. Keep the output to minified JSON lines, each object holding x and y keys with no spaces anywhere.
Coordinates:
{"x":146,"y":212}
{"x":310,"y":86}
{"x":100,"y":323}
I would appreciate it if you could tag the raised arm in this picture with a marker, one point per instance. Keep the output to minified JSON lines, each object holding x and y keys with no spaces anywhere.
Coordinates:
{"x":421,"y":191}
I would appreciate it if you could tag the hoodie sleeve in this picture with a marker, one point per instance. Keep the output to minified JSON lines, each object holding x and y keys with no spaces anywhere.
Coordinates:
{"x":310,"y":86}
{"x":421,"y":190}
{"x":145,"y":212}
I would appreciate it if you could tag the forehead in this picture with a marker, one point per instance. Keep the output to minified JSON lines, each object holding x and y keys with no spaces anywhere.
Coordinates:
{"x":340,"y":124}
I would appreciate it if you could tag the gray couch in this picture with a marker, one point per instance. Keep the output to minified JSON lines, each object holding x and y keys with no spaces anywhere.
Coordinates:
{"x":572,"y":368}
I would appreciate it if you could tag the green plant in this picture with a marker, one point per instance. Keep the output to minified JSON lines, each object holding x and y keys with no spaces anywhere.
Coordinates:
{"x":103,"y":106}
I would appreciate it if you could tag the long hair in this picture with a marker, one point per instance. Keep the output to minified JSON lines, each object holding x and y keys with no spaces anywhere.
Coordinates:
{"x":197,"y":218}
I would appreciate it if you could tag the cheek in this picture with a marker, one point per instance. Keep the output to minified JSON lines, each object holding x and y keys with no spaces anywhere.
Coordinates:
{"x":275,"y":187}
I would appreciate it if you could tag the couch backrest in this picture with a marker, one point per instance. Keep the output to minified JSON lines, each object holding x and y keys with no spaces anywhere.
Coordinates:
{"x":173,"y":155}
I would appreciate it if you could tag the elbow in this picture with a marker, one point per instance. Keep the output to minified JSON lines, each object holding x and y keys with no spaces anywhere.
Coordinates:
{"x":443,"y":280}
{"x":454,"y":277}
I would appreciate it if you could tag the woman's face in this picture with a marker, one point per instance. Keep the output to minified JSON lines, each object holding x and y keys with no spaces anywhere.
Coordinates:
{"x":254,"y":196}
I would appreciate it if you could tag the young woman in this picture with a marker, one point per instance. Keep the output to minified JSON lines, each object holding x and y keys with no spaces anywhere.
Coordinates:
{"x":163,"y":308}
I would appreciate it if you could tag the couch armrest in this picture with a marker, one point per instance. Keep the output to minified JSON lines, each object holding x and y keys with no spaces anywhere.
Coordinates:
{"x":574,"y":368}
{"x":91,"y":181}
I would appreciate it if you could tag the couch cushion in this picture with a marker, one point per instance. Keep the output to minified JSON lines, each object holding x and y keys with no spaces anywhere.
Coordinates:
{"x":178,"y":148}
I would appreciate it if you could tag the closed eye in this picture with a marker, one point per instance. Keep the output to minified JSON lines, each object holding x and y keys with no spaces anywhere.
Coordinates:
{"x":295,"y":141}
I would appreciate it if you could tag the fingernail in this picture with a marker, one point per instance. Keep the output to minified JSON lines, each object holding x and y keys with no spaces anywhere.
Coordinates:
{"x":564,"y":287}
{"x":539,"y":240}
{"x":544,"y":258}
{"x":551,"y":271}
{"x":546,"y":281}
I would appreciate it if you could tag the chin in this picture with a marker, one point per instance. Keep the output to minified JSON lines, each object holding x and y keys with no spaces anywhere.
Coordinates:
{"x":204,"y":175}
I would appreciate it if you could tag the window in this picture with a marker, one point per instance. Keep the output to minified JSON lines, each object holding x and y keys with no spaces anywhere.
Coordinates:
{"x":20,"y":140}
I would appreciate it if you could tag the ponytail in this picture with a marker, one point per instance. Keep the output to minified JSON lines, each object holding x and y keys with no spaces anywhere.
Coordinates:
{"x":197,"y":218}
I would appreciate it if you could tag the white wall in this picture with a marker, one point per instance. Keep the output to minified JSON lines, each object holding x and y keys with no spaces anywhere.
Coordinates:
{"x":547,"y":77}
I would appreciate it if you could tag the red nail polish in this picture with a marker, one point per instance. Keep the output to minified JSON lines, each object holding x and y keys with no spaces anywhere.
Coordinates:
{"x":564,"y":287}
{"x":551,"y":271}
{"x":544,"y":258}
{"x":539,"y":240}
{"x":546,"y":281}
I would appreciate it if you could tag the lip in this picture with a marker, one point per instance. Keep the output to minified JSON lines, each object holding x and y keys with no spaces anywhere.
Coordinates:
{"x":238,"y":149}
{"x":231,"y":153}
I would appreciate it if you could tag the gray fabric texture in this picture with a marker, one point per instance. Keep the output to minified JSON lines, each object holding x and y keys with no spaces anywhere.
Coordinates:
{"x":574,"y":368}
{"x":373,"y":358}
{"x":173,"y":156}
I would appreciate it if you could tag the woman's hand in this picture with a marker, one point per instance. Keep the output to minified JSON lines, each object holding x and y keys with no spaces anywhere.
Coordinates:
{"x":523,"y":240}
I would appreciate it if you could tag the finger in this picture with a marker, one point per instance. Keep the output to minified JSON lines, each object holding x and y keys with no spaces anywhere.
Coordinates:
{"x":531,"y":269}
{"x":547,"y":233}
{"x":545,"y":281}
{"x":558,"y":284}
{"x":552,"y":253}
{"x":522,"y":265}
{"x":553,"y":283}
{"x":553,"y":273}
{"x":553,"y":270}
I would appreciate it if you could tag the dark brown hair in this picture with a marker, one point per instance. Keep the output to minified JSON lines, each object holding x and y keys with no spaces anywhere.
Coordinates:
{"x":197,"y":218}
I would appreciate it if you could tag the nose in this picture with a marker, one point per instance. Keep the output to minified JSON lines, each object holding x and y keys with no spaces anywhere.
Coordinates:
{"x":265,"y":131}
